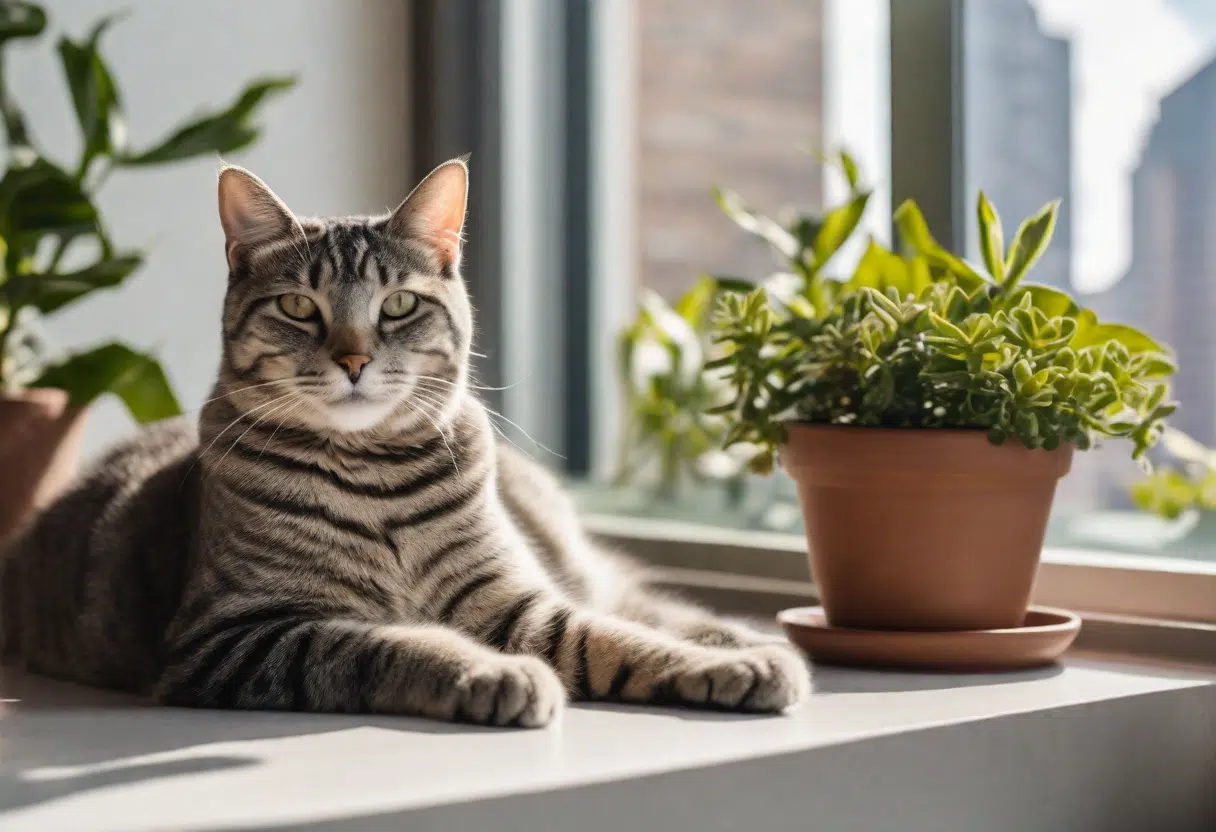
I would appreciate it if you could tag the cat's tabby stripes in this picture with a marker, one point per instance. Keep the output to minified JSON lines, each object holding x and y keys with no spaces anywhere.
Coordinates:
{"x":346,"y":534}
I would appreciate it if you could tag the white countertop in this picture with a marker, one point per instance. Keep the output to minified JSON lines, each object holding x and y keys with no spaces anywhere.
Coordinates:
{"x":75,"y":759}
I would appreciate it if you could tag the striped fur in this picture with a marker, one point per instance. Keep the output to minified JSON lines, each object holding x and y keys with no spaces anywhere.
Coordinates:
{"x":336,"y":545}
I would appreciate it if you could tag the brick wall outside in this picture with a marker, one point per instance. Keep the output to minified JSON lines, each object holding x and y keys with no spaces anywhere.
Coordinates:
{"x":730,"y":93}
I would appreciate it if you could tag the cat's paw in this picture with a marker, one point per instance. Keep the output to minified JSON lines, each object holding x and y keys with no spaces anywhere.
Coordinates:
{"x":725,"y":634}
{"x":512,"y":690}
{"x":763,"y":679}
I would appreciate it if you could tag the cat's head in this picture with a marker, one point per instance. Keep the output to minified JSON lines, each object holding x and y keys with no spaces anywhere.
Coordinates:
{"x":345,"y":324}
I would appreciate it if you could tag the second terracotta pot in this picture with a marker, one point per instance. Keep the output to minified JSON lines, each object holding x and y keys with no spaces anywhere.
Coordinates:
{"x":922,"y":529}
{"x":40,"y":435}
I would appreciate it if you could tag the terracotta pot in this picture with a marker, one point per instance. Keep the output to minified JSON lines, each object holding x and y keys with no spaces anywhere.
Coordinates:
{"x":922,"y":529}
{"x":39,"y":448}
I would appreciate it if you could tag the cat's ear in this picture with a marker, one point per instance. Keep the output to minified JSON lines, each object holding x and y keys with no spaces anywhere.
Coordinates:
{"x":434,"y":212}
{"x":250,"y":212}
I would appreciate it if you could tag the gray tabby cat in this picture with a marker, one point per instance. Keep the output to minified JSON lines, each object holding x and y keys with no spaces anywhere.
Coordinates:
{"x":346,"y":534}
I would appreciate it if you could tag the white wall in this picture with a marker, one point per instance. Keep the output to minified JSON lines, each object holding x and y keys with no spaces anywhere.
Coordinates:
{"x":335,"y":144}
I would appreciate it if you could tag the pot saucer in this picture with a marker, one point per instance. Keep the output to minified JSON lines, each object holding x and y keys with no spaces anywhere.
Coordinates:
{"x":1047,"y":633}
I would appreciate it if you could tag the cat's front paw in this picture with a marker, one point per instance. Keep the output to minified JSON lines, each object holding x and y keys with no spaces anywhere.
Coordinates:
{"x":761,"y":679}
{"x":512,"y":690}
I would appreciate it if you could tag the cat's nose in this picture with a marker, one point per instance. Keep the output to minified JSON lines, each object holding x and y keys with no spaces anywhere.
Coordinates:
{"x":353,"y":364}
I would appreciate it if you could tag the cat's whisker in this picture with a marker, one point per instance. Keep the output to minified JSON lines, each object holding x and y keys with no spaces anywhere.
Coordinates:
{"x":495,"y":414}
{"x":248,"y":387}
{"x":257,"y":422}
{"x":473,"y":386}
{"x":497,"y":430}
{"x":282,"y":419}
{"x":246,"y":413}
{"x":437,"y":408}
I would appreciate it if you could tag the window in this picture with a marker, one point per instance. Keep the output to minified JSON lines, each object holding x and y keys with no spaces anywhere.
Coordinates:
{"x":1113,"y":107}
{"x":644,"y":106}
{"x":746,"y":97}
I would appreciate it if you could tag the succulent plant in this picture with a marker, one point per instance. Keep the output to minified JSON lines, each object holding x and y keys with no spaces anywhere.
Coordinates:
{"x":923,"y":339}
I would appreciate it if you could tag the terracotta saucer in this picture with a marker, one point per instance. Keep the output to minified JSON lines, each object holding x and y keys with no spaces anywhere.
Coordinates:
{"x":1045,"y":636}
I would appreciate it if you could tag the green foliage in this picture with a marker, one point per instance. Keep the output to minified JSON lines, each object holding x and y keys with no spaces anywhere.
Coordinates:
{"x":1187,"y":482}
{"x":924,"y":339}
{"x":670,"y":432}
{"x":48,"y":213}
{"x":113,"y":368}
{"x":668,"y":393}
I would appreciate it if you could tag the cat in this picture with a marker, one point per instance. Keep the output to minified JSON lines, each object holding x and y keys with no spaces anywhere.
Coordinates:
{"x":344,"y":532}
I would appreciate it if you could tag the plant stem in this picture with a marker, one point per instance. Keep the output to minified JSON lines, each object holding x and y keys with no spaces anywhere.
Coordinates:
{"x":61,"y":247}
{"x":14,"y":123}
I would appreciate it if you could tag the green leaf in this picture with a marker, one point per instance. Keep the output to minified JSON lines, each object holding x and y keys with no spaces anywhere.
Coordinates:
{"x":1029,"y":243}
{"x":804,"y":230}
{"x":838,"y":226}
{"x":40,"y":199}
{"x":94,"y":94}
{"x":992,"y":238}
{"x":948,"y":329}
{"x":849,"y":166}
{"x":52,"y":291}
{"x":134,"y":377}
{"x":733,"y":284}
{"x":1133,"y":339}
{"x":225,"y":131}
{"x":695,"y":304}
{"x":17,"y":20}
{"x":913,"y":228}
{"x":1052,"y":302}
{"x":20,"y":20}
{"x":766,"y":229}
{"x":1149,"y":365}
{"x":883,"y":270}
{"x":915,"y":233}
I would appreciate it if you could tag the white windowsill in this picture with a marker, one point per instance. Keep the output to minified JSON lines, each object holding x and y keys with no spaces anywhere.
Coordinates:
{"x":1080,"y":746}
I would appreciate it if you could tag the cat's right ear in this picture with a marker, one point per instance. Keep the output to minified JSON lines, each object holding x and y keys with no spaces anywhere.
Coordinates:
{"x":250,"y":212}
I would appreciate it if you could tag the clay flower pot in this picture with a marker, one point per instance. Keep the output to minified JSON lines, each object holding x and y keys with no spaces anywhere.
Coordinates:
{"x":39,"y":448}
{"x":922,"y":529}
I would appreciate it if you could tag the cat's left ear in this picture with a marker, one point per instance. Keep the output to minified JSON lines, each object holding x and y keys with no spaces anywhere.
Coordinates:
{"x":434,"y":212}
{"x":250,"y":212}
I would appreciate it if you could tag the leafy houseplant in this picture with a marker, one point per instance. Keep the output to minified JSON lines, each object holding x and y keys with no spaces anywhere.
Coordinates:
{"x":671,"y":435}
{"x":48,"y":219}
{"x":670,"y":438}
{"x":926,"y":408}
{"x":1186,"y":483}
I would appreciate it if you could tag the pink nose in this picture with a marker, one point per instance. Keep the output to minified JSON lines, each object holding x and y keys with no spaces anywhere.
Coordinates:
{"x":354,"y":364}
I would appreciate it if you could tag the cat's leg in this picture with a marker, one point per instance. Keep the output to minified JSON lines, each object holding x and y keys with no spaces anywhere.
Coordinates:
{"x":274,"y":657}
{"x":605,"y":657}
{"x":686,"y":620}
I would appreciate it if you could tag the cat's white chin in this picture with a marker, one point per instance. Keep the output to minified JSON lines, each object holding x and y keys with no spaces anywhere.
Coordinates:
{"x":353,"y":416}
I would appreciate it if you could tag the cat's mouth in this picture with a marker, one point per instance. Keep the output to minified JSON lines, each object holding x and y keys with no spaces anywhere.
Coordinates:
{"x":355,"y":410}
{"x":353,"y":396}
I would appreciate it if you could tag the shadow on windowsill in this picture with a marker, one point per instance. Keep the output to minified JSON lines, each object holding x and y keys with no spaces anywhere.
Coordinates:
{"x":841,"y":680}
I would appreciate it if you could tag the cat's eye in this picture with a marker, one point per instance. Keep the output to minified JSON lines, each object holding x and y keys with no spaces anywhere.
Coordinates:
{"x":300,"y":307}
{"x":399,"y":304}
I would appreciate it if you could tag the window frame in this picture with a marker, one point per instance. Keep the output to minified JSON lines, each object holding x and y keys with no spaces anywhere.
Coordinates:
{"x":1141,"y":603}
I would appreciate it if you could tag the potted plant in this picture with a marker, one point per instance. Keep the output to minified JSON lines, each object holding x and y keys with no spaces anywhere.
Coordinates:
{"x":55,"y":249}
{"x":926,"y":409}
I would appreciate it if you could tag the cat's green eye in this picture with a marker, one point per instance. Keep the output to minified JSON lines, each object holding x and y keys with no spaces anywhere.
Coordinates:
{"x":300,"y":307}
{"x":399,"y":304}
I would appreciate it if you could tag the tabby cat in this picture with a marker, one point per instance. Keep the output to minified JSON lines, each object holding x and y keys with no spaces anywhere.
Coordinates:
{"x":344,"y":532}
